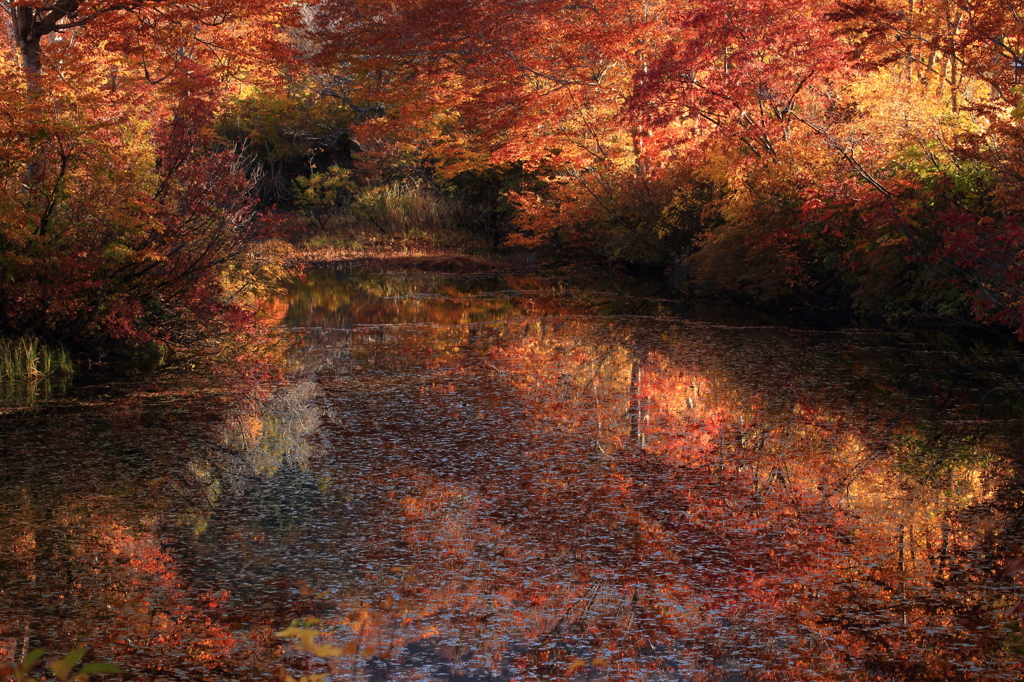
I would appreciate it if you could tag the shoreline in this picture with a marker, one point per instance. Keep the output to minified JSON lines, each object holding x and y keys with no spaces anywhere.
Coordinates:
{"x":451,"y":262}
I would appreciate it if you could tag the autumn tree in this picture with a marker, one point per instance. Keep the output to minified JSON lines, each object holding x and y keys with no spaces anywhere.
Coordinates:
{"x":475,"y":85}
{"x":210,"y":27}
{"x":866,"y":151}
{"x":122,"y":212}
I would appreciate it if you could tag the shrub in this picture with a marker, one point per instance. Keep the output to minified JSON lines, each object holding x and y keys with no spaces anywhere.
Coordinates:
{"x":322,"y":195}
{"x":284,"y":133}
{"x":116,"y":235}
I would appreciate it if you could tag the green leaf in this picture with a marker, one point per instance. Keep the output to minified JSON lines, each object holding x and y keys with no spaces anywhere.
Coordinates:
{"x":32,"y":657}
{"x":62,"y":668}
{"x":99,"y":668}
{"x":21,"y":672}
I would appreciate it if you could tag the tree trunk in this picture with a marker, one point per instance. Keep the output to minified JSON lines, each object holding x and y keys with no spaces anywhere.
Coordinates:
{"x":27,"y":38}
{"x":635,"y":410}
{"x":30,"y":61}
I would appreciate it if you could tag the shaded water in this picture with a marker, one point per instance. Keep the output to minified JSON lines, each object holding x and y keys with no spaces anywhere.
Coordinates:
{"x":508,"y":478}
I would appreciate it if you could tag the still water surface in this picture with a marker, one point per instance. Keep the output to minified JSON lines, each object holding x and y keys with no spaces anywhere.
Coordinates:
{"x":505,"y":477}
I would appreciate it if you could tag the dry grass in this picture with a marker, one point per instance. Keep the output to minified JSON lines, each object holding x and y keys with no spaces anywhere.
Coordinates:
{"x":445,"y":251}
{"x":405,"y":224}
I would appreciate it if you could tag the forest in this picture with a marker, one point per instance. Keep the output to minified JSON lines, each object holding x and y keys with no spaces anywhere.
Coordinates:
{"x":161,"y":160}
{"x":486,"y":323}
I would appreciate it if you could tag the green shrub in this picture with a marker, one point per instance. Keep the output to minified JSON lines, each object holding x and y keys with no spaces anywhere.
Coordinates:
{"x":321,"y":196}
{"x":282,"y":133}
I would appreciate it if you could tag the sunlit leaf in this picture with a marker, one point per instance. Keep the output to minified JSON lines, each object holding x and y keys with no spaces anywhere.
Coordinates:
{"x":327,"y":651}
{"x":575,"y":665}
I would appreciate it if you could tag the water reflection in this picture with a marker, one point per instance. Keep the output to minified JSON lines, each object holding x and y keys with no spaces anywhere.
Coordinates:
{"x":266,"y":434}
{"x":503,"y":478}
{"x":665,"y":498}
{"x":29,"y":392}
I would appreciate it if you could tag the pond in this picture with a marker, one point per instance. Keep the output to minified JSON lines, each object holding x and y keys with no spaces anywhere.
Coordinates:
{"x":518,"y":477}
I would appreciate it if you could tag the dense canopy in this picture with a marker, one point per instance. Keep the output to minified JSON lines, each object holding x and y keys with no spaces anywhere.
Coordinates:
{"x":864,"y":154}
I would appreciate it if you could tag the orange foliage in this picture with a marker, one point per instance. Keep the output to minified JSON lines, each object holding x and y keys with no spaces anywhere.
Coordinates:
{"x":863,"y":152}
{"x":119,"y":214}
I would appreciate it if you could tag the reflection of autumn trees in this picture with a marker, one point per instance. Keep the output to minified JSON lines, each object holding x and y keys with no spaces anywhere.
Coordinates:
{"x":83,"y":564}
{"x":123,"y":529}
{"x":341,"y":299}
{"x":799,"y":490}
{"x":366,"y":299}
{"x":668,"y":496}
{"x":540,"y":494}
{"x":143,"y":603}
{"x":268,"y":433}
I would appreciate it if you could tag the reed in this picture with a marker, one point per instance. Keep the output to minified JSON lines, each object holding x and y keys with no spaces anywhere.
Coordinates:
{"x":28,"y":359}
{"x":405,"y":206}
